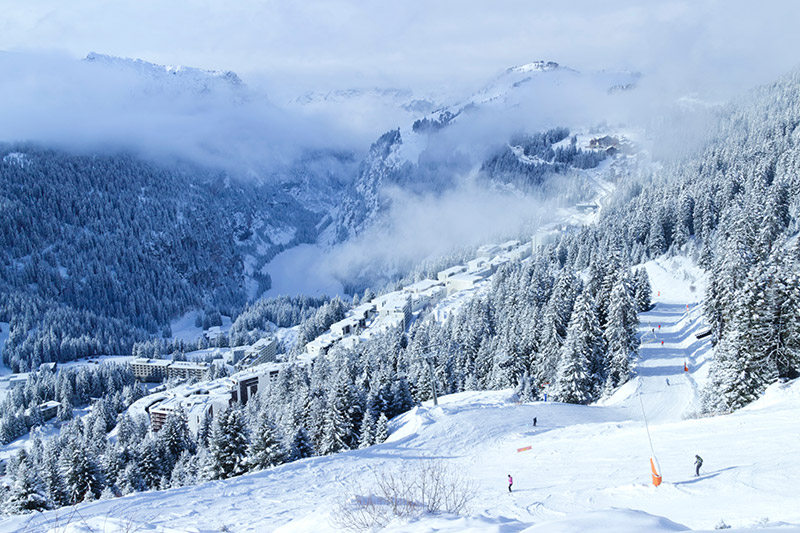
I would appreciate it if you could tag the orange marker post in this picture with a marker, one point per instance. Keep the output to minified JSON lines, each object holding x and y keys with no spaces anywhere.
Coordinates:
{"x":654,"y":466}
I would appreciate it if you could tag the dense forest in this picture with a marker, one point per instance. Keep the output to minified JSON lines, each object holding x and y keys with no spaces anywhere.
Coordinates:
{"x":98,"y":252}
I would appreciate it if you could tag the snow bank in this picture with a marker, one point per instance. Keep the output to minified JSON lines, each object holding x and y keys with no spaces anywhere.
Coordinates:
{"x":616,"y":520}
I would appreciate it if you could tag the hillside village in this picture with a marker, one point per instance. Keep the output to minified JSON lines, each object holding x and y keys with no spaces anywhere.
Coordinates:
{"x":262,"y":363}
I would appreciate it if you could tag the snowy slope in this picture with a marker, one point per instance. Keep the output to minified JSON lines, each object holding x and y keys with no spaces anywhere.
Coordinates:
{"x":586,"y":470}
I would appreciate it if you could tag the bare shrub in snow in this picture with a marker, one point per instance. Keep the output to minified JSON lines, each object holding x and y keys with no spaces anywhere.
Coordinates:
{"x":427,"y":487}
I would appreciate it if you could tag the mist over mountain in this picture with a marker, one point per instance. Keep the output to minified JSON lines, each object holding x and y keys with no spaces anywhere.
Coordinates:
{"x":273,"y":237}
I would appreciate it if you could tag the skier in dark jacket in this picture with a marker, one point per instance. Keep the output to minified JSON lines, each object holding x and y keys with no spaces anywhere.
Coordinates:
{"x":697,"y":463}
{"x":510,"y":482}
{"x":534,"y":421}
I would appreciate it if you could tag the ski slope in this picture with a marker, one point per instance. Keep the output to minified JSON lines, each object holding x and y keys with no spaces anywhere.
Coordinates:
{"x":587,"y":468}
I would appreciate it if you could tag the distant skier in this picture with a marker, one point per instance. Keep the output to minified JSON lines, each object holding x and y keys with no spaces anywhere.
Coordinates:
{"x":667,"y":381}
{"x":534,"y":421}
{"x":698,"y":463}
{"x":510,"y":482}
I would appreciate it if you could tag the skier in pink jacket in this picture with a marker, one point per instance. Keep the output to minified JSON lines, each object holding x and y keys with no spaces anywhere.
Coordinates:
{"x":510,"y":482}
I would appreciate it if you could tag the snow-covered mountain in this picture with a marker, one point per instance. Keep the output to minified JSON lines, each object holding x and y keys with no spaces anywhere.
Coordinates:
{"x":179,"y":80}
{"x":438,"y":150}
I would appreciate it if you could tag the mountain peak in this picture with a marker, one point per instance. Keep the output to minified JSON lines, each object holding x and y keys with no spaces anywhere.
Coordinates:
{"x":200,"y":79}
{"x":536,"y":66}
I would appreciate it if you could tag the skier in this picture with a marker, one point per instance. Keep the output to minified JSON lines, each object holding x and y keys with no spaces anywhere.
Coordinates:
{"x":667,"y":381}
{"x":534,"y":421}
{"x":510,"y":482}
{"x":698,"y":463}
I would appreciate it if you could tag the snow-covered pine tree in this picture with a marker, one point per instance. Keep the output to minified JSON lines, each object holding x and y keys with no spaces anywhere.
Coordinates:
{"x":620,"y":337}
{"x":582,"y":348}
{"x":266,"y":449}
{"x":27,"y":493}
{"x":381,"y":428}
{"x":642,"y":290}
{"x":367,"y":431}
{"x":337,"y":432}
{"x":81,"y":474}
{"x":228,"y":444}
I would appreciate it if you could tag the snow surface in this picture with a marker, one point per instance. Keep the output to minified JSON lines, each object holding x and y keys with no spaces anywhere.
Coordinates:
{"x":587,"y":468}
{"x":184,"y":329}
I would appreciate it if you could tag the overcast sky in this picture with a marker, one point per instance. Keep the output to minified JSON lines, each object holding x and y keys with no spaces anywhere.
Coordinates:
{"x":710,"y":49}
{"x":422,"y":44}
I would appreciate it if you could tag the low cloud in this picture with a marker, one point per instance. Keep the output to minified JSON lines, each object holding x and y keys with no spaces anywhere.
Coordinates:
{"x":420,"y":226}
{"x":214,"y":119}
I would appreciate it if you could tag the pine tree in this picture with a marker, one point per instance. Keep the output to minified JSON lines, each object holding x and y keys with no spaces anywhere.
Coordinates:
{"x":82,"y":476}
{"x":27,"y":494}
{"x":337,"y":431}
{"x":228,"y":444}
{"x":266,"y":450}
{"x":367,"y":432}
{"x":301,"y":445}
{"x":51,"y":474}
{"x":582,"y":348}
{"x":381,"y":429}
{"x":642,"y":290}
{"x":620,"y":336}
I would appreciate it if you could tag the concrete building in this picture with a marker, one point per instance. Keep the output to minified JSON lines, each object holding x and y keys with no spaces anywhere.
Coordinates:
{"x":461,"y":282}
{"x":263,"y":351}
{"x":321,"y":344}
{"x":150,"y":369}
{"x":508,"y":246}
{"x":346,"y":326}
{"x":423,"y":286}
{"x":488,"y":250}
{"x":450,"y":272}
{"x":249,"y":383}
{"x":478,"y":264}
{"x":364,"y":313}
{"x":395,"y":304}
{"x":427,"y":298}
{"x":157,"y":370}
{"x":186,"y":370}
{"x":194,"y":407}
{"x":49,"y":409}
{"x":519,"y":253}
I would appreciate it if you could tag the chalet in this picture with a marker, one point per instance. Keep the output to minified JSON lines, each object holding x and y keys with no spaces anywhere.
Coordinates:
{"x":50,"y":367}
{"x":603,"y":142}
